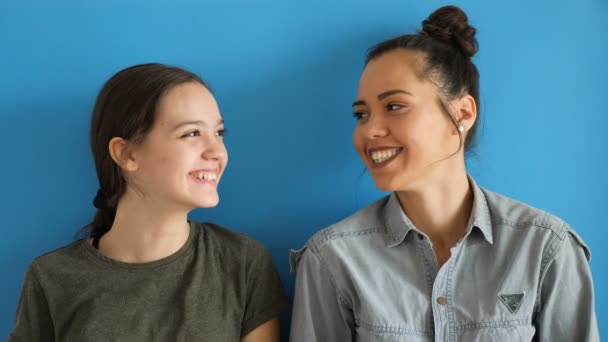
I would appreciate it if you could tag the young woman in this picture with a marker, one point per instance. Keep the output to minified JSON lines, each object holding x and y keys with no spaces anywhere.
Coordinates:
{"x":147,"y":273}
{"x":440,"y":259}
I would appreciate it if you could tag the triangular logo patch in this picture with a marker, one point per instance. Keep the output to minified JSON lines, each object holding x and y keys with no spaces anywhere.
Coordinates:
{"x":511,"y":301}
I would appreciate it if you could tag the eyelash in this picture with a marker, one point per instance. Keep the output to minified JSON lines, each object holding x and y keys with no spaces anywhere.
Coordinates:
{"x":220,"y":133}
{"x":389,"y":107}
{"x":191,"y":134}
{"x":359,"y":115}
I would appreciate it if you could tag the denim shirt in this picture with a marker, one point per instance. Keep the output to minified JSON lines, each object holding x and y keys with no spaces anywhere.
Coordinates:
{"x":519,"y":274}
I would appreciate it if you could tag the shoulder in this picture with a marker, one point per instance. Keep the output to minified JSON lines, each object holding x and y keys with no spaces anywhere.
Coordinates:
{"x":223,"y":240}
{"x":346,"y":236}
{"x":509,"y":212}
{"x":529,"y":221}
{"x":367,"y":221}
{"x":68,"y":256}
{"x":53,"y":267}
{"x":215,"y":232}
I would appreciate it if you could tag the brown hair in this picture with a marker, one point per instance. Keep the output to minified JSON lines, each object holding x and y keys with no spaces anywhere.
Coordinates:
{"x":126,"y":107}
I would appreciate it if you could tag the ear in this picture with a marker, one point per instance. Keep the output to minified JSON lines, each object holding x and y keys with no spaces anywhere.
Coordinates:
{"x":466,"y":112}
{"x":122,"y":155}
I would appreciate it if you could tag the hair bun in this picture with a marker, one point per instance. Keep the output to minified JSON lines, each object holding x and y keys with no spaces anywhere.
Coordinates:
{"x":450,"y":25}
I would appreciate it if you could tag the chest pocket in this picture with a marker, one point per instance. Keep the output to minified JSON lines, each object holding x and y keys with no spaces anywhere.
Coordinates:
{"x":506,"y":318}
{"x":499,"y":334}
{"x":365,"y":332}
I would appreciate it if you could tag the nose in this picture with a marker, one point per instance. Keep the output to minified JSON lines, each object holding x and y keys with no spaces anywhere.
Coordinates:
{"x":214,"y":149}
{"x":375,"y":127}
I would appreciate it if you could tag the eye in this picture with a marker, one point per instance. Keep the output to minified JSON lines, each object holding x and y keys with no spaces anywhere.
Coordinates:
{"x":194,"y":133}
{"x":221,"y":133}
{"x":360,"y":115}
{"x":391,"y":107}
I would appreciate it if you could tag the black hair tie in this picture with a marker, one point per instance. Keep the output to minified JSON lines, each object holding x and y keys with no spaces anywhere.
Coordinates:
{"x":101,"y":200}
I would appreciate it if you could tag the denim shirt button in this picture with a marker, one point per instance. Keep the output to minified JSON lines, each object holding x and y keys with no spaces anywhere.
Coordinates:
{"x":442,"y":301}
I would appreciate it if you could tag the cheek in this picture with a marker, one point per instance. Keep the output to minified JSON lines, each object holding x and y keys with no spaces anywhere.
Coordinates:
{"x":426,"y":133}
{"x":165,"y":162}
{"x":161,"y":167}
{"x":161,"y":159}
{"x":358,"y":140}
{"x":225,"y":151}
{"x":225,"y":155}
{"x":443,"y":135}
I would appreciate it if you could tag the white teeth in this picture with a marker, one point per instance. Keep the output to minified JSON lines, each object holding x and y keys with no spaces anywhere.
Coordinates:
{"x":205,"y":175}
{"x":380,"y":156}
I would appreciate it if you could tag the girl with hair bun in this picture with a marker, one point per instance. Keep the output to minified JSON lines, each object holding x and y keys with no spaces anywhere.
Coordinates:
{"x":440,"y":259}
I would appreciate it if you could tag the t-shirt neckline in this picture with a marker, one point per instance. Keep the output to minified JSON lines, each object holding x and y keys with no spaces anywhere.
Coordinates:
{"x":144,"y":265}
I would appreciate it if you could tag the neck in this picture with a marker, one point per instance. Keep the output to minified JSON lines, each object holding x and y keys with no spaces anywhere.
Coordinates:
{"x":144,"y":232}
{"x":441,"y":208}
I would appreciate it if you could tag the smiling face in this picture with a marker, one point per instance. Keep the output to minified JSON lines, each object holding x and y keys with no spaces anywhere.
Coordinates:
{"x":182,"y":158}
{"x":403,"y":134}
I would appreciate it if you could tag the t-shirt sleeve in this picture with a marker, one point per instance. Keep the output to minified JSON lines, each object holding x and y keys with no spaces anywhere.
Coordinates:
{"x":33,"y":320}
{"x":264,"y":293}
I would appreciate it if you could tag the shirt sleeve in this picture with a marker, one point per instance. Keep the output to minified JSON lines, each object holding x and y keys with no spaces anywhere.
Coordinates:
{"x":33,"y":320}
{"x":265,"y":298}
{"x":318,"y":312}
{"x":567,"y":303}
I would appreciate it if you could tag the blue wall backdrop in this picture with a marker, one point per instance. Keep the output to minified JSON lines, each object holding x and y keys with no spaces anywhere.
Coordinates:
{"x":285,"y":74}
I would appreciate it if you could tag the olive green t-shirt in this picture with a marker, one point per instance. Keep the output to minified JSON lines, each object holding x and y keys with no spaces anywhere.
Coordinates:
{"x":219,"y":286}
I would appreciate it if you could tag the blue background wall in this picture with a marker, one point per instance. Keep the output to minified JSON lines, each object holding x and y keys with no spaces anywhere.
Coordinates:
{"x":284,"y":74}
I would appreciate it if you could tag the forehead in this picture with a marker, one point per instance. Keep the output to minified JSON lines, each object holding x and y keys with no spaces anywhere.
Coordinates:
{"x":397,"y":69}
{"x":188,"y":101}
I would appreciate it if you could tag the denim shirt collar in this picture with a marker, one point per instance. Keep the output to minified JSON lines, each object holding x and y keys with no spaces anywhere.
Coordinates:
{"x":398,"y":225}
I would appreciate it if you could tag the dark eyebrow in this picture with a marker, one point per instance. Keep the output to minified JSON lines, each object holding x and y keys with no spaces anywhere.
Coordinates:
{"x":194,"y":122}
{"x":388,"y":93}
{"x":384,"y":95}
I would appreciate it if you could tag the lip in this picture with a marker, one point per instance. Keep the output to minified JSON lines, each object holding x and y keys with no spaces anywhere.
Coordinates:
{"x":216,"y":170}
{"x":386,"y":162}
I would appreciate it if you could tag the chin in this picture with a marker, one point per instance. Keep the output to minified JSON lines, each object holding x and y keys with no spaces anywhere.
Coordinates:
{"x":208,"y":203}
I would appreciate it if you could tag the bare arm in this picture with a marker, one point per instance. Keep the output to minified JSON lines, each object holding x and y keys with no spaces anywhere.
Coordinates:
{"x":267,"y":332}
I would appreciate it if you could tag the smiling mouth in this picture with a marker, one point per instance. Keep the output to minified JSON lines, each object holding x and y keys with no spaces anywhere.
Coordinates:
{"x":383,"y":156}
{"x":210,"y":176}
